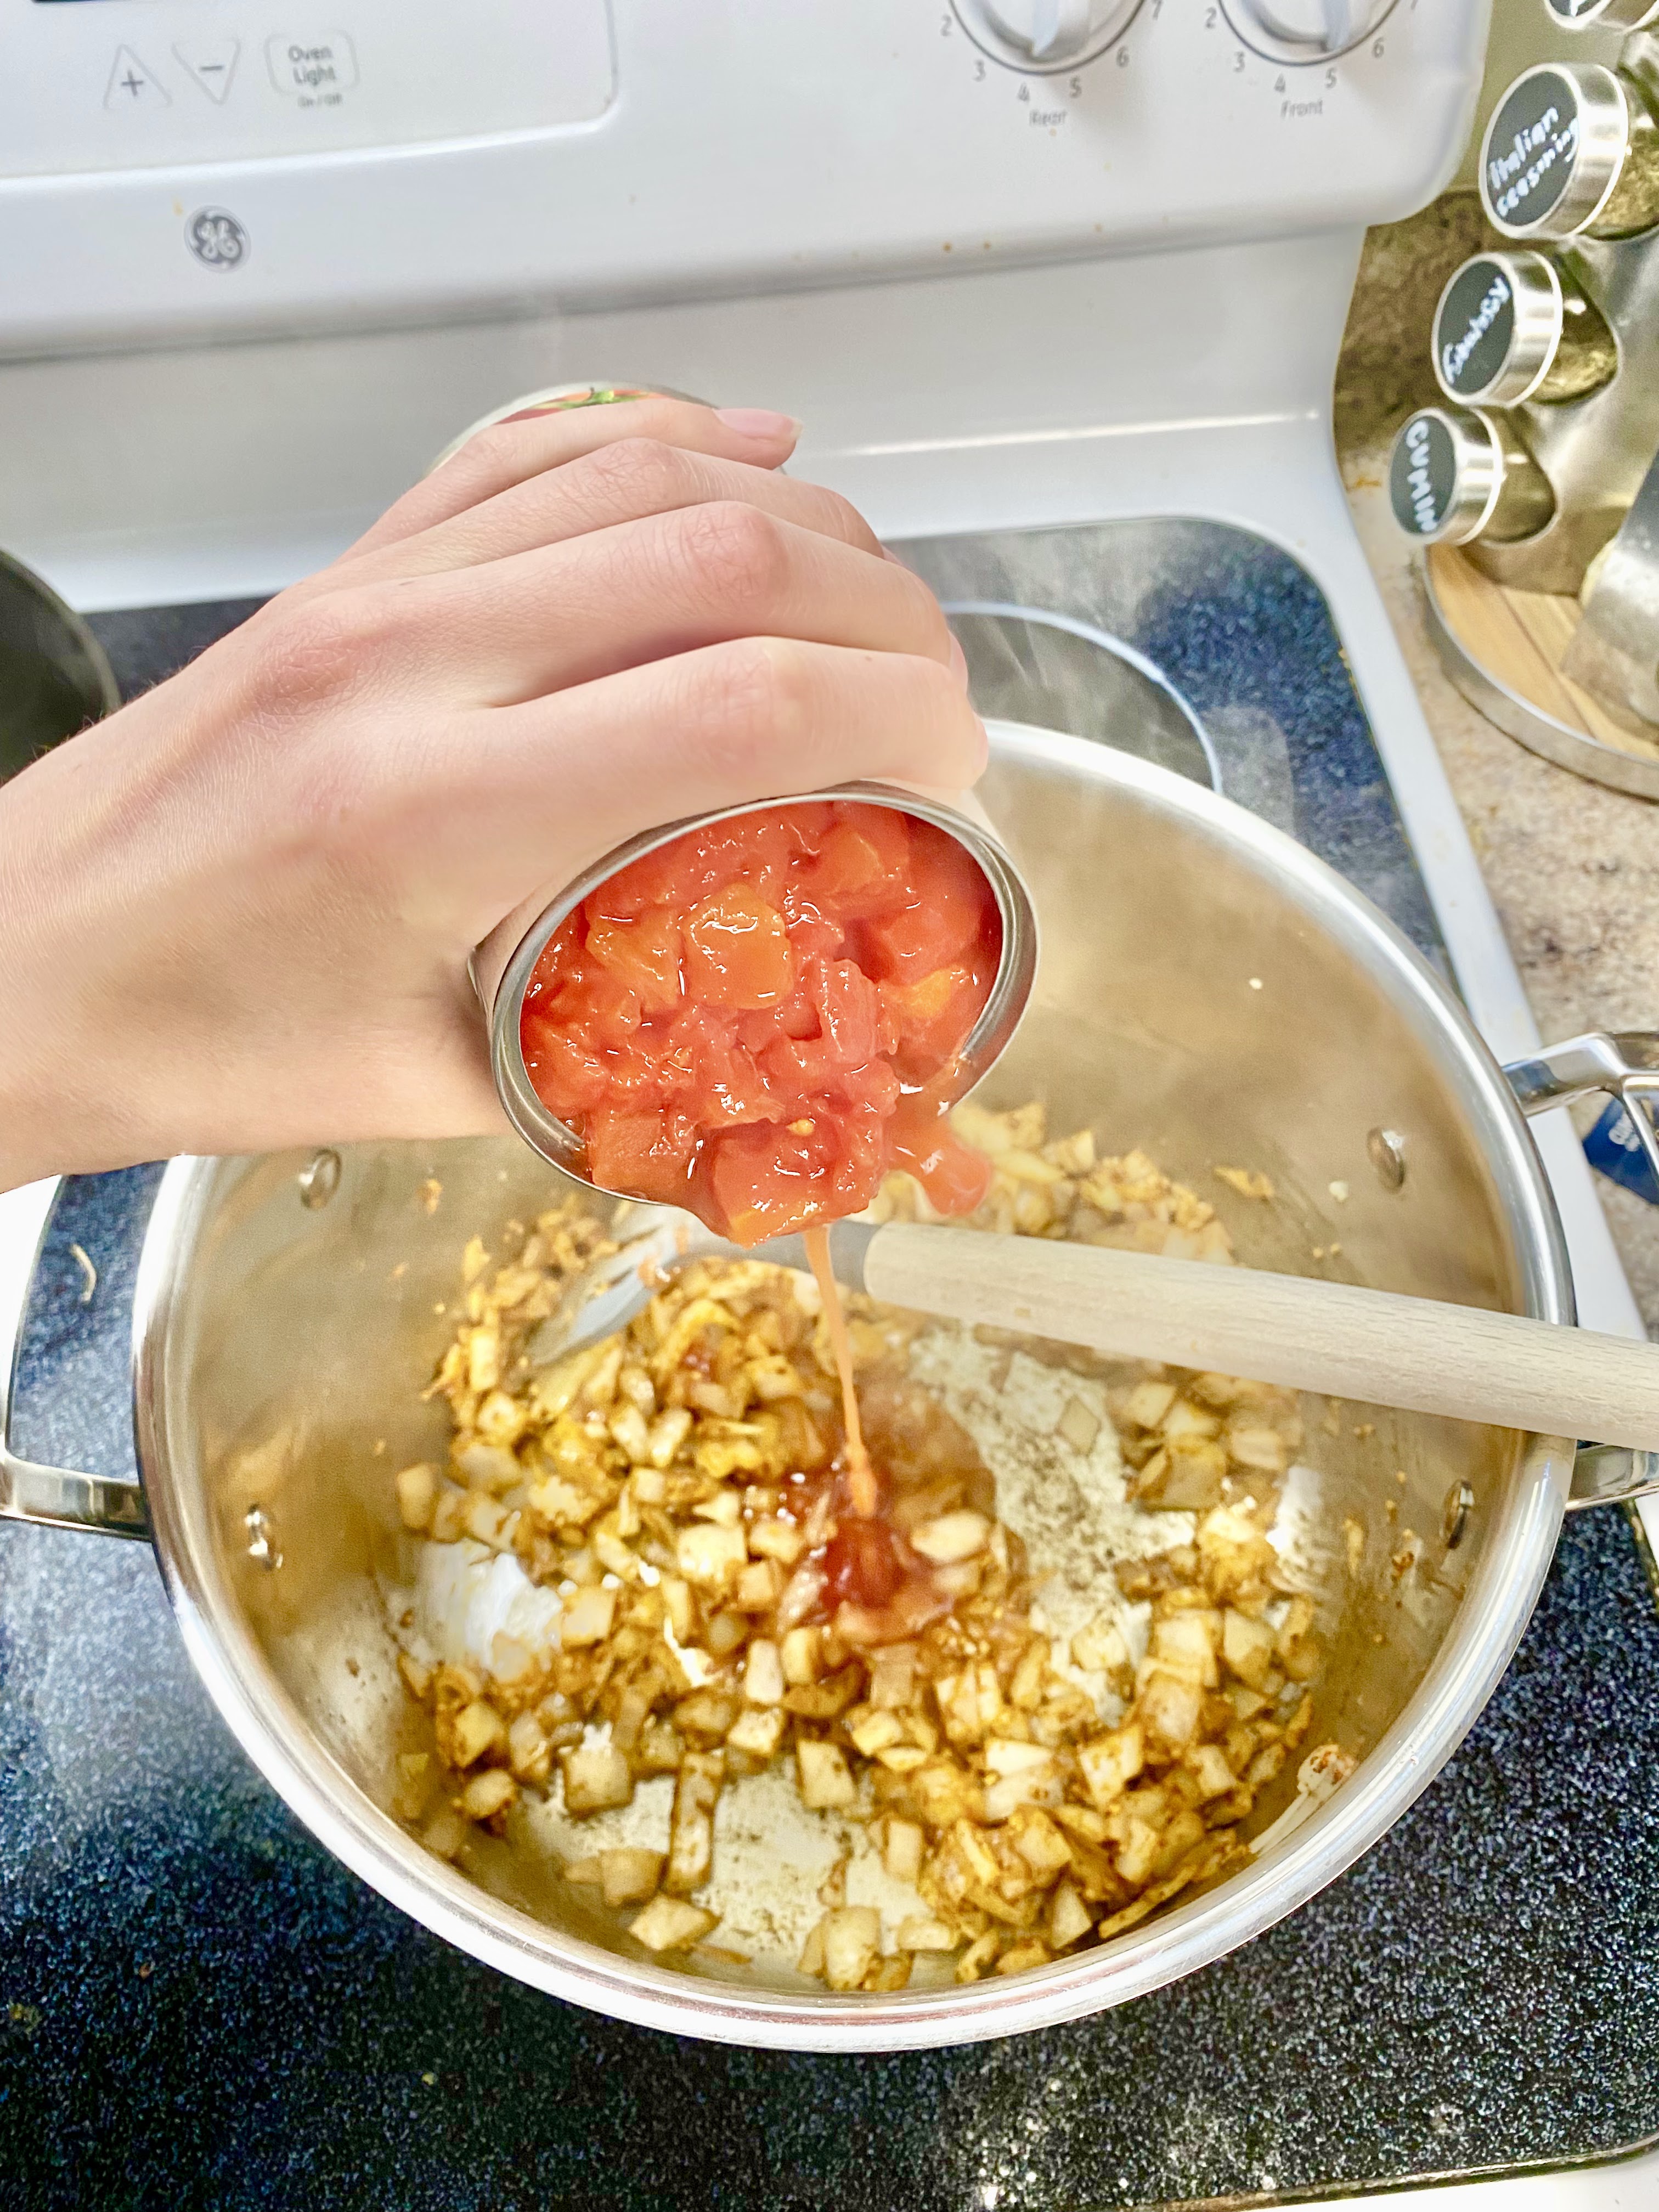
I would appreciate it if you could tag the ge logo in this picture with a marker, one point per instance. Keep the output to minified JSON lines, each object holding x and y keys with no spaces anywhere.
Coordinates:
{"x":216,"y":239}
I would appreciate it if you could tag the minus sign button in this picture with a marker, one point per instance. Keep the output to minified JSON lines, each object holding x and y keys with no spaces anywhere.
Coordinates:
{"x":211,"y":63}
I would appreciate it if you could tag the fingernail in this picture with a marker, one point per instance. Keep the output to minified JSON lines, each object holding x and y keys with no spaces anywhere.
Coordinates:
{"x":758,"y":422}
{"x":958,"y":660}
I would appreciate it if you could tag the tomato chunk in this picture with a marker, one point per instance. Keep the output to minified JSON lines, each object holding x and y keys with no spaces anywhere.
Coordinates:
{"x":934,"y":1015}
{"x":642,"y":952}
{"x":763,"y":1017}
{"x":645,"y":1150}
{"x":949,"y":908}
{"x":736,"y":950}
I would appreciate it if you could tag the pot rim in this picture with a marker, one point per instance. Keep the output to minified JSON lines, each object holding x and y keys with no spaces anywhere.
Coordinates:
{"x":1489,"y":1623}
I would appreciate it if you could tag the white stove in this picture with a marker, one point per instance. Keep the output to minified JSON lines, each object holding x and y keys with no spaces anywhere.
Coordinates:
{"x":1014,"y":262}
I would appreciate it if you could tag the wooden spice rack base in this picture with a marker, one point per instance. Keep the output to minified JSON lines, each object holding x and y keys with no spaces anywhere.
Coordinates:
{"x":1503,"y":648}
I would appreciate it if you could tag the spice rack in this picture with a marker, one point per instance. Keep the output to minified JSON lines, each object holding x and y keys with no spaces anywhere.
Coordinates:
{"x":1546,"y":349}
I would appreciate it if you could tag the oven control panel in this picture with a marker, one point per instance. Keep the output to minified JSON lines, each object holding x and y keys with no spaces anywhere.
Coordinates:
{"x":142,"y":84}
{"x":173,"y":168}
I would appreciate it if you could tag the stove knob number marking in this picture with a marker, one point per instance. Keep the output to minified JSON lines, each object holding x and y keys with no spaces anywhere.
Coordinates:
{"x":1042,"y":37}
{"x":1305,"y":31}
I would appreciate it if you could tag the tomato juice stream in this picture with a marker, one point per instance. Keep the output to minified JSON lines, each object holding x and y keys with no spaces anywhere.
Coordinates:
{"x":860,"y":1476}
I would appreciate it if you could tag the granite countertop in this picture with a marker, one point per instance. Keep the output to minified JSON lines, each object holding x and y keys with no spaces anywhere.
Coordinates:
{"x":1572,"y":867}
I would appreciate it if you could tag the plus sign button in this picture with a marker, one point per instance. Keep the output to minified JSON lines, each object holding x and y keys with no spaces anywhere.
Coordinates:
{"x":216,"y":239}
{"x":133,"y":84}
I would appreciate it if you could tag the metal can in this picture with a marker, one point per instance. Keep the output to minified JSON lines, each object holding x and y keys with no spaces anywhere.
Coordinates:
{"x":557,"y":400}
{"x":505,"y":962}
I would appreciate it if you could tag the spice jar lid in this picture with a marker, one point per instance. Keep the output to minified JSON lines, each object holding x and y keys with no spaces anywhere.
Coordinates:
{"x":1603,"y":15}
{"x":1458,"y":473}
{"x":1444,"y":475}
{"x":1554,"y":150}
{"x":1497,"y":328}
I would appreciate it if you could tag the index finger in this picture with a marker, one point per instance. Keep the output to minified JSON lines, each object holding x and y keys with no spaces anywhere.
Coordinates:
{"x":510,"y":451}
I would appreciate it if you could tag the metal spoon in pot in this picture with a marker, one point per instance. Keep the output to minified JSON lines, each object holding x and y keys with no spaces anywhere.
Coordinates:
{"x":1379,"y":1346}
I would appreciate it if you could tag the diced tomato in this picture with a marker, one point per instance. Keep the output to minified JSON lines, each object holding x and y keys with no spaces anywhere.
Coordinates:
{"x":755,"y":848}
{"x":854,"y":1028}
{"x":567,"y":1074}
{"x":863,"y":865}
{"x":950,"y":909}
{"x":810,"y":934}
{"x":735,"y":1092}
{"x":851,"y":1014}
{"x":647,"y":1152}
{"x":761,"y":1017}
{"x":643,"y":954}
{"x":769,"y":1181}
{"x":934,"y":1016}
{"x":737,"y":950}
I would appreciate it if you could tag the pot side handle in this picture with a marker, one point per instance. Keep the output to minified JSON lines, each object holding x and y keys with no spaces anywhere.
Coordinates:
{"x":1610,"y":1474}
{"x":52,"y":1497}
{"x":1626,"y":1065}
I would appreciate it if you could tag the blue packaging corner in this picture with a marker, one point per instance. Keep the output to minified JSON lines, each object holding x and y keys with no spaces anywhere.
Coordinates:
{"x":1614,"y":1150}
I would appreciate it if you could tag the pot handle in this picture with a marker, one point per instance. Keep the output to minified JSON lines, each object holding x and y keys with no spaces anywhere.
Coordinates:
{"x":52,"y":1497}
{"x":1611,"y":1474}
{"x":1626,"y":1066}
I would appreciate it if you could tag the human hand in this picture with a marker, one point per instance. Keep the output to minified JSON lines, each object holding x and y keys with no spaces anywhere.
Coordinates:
{"x":237,"y":914}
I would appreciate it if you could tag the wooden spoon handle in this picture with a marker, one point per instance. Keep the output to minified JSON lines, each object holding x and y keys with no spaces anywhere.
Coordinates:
{"x":1375,"y":1345}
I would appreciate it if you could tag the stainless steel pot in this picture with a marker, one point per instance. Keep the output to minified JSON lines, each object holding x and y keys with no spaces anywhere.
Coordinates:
{"x":1208,"y":990}
{"x":54,"y":676}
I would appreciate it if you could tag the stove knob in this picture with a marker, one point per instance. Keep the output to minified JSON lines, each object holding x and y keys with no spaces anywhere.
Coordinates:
{"x":1513,"y":326}
{"x":1044,"y":34}
{"x":1457,"y":474}
{"x":1571,"y":148}
{"x":1305,"y":30}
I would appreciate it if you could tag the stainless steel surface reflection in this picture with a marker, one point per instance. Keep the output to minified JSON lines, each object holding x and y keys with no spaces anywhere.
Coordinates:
{"x":1049,"y":670}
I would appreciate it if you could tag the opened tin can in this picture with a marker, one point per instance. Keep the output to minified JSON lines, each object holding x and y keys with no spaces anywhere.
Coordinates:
{"x":504,"y":964}
{"x":557,"y":400}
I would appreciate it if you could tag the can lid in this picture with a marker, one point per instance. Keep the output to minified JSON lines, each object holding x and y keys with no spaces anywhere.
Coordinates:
{"x":1553,"y":149}
{"x":1444,"y":475}
{"x":1497,"y":328}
